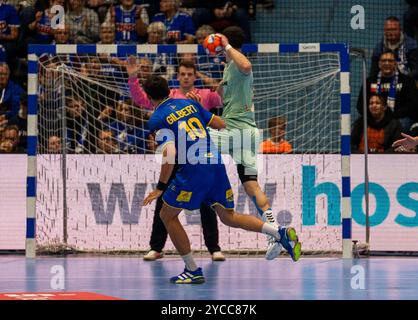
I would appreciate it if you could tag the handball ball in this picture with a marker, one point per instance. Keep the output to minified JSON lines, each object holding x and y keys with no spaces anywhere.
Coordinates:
{"x":213,"y":44}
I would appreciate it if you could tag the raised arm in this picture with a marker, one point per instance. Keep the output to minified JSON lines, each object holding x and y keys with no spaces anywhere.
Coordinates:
{"x":138,"y":95}
{"x":241,"y":61}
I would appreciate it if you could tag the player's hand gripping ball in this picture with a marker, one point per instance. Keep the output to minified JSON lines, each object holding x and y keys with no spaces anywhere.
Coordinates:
{"x":213,"y":44}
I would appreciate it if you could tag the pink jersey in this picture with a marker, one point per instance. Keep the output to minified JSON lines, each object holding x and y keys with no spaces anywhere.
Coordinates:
{"x":210,"y":99}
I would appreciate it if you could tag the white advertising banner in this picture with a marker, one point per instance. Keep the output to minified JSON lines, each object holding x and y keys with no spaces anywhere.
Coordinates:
{"x":105,"y":193}
{"x":12,"y":201}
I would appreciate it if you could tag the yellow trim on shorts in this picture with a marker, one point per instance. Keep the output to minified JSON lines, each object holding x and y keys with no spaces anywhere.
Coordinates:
{"x":217,"y":203}
{"x":174,"y":207}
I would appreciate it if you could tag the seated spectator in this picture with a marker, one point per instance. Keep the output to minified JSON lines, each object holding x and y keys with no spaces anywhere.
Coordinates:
{"x":398,"y":89}
{"x":62,"y":35}
{"x":130,"y":20}
{"x":9,"y":142}
{"x":129,"y":129}
{"x":107,"y":33}
{"x":180,"y":26}
{"x":276,"y":143}
{"x":9,"y":94}
{"x":76,"y":125}
{"x":54,"y":144}
{"x":100,"y":7}
{"x":221,"y":14}
{"x":106,"y":143}
{"x":9,"y":32}
{"x":84,"y":23}
{"x":21,"y":120}
{"x":156,"y":33}
{"x":404,"y":48}
{"x":186,"y":76}
{"x":42,"y":24}
{"x":382,"y":128}
{"x":162,"y":64}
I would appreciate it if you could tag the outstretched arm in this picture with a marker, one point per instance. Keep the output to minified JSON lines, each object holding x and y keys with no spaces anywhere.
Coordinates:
{"x":408,"y":142}
{"x":138,"y":95}
{"x":167,"y":167}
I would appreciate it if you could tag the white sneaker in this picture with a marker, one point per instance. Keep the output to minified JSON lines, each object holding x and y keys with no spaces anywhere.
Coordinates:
{"x":274,"y":248}
{"x":218,"y":256}
{"x":153,"y":255}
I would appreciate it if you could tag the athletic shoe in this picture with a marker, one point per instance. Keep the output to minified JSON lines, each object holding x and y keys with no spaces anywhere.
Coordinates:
{"x":289,"y":240}
{"x":189,"y":277}
{"x":218,"y":256}
{"x":153,"y":255}
{"x":274,"y":248}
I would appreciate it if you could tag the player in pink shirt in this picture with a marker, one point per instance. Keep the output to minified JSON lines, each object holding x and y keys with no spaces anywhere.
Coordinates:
{"x":186,"y":76}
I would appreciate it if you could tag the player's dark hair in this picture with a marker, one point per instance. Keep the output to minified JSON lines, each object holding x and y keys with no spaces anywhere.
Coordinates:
{"x":156,"y":87}
{"x":235,"y":35}
{"x":187,"y":64}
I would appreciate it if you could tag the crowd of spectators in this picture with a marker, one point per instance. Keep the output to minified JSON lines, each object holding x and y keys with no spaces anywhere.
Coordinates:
{"x":116,"y":125}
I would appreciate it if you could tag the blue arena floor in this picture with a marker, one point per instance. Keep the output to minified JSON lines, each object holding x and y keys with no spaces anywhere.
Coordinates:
{"x":237,"y":278}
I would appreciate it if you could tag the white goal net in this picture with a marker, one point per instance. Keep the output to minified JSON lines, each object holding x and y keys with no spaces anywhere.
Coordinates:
{"x":96,"y":163}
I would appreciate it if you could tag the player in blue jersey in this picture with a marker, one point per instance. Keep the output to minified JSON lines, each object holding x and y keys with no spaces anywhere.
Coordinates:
{"x":180,"y":128}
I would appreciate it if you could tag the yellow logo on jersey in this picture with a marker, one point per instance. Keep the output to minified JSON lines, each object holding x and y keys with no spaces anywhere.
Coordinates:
{"x":229,"y":195}
{"x":184,"y":196}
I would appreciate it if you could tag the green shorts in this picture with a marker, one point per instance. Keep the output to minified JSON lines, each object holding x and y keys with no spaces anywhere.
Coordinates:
{"x":241,"y":144}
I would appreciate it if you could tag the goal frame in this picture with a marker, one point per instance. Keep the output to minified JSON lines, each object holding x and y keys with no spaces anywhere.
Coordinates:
{"x":35,"y":51}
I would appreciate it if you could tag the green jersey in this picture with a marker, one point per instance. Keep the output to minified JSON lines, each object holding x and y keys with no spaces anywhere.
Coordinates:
{"x":238,"y":110}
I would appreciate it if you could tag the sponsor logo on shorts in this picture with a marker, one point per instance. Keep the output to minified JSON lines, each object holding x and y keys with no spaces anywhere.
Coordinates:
{"x":184,"y":196}
{"x":229,"y":195}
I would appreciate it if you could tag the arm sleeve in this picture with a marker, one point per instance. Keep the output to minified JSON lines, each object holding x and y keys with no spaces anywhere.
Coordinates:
{"x":138,"y":95}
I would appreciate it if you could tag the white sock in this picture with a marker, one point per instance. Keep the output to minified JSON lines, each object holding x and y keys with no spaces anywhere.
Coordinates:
{"x":189,"y":261}
{"x":271,"y":230}
{"x":269,"y":218}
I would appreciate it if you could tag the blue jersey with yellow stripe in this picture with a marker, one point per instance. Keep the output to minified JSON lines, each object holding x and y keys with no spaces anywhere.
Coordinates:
{"x":184,"y":122}
{"x":201,"y":175}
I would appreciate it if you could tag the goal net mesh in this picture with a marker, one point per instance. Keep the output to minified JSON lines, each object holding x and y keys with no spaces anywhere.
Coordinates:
{"x":96,"y":159}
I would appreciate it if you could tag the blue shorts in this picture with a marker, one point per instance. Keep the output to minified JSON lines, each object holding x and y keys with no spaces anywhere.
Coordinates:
{"x":197,"y":184}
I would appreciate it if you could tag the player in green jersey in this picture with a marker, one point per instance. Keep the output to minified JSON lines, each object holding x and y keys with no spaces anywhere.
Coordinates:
{"x":236,"y":89}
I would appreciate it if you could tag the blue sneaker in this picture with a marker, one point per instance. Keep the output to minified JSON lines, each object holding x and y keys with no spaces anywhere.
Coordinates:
{"x":289,"y":240}
{"x":189,"y":277}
